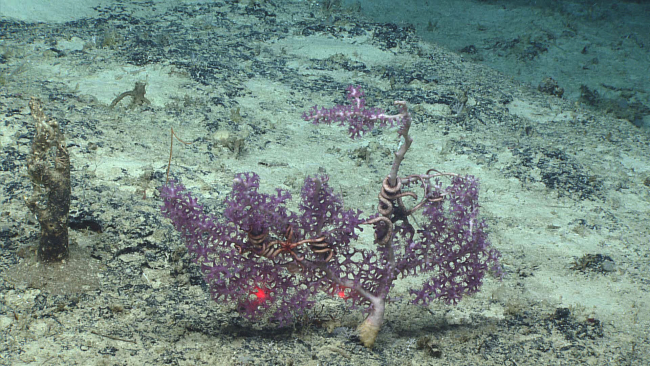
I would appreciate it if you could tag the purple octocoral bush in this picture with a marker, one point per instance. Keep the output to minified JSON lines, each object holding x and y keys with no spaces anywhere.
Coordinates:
{"x":272,"y":261}
{"x":452,"y":244}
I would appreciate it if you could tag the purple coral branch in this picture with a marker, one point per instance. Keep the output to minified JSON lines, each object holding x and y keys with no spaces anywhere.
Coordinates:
{"x":359,"y":119}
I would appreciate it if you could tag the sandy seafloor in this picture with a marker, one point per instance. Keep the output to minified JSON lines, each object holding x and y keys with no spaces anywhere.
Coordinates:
{"x":565,"y":189}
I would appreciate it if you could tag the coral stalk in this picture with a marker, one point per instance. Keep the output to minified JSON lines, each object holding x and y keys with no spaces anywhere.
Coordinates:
{"x":48,"y":166}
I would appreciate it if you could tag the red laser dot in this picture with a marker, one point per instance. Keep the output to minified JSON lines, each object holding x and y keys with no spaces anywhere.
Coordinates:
{"x":260,"y":294}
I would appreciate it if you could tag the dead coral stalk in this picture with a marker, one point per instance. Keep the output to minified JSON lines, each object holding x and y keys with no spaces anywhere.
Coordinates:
{"x":48,"y":166}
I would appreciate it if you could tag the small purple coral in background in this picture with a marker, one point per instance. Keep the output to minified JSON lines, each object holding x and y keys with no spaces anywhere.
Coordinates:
{"x":360,"y":120}
{"x":272,"y":261}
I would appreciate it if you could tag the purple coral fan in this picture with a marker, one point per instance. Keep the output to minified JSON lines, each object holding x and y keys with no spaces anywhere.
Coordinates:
{"x":235,"y":256}
{"x":272,"y":261}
